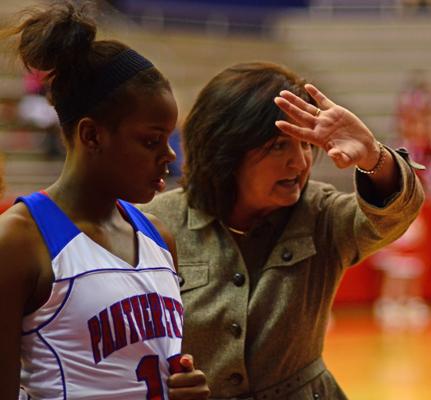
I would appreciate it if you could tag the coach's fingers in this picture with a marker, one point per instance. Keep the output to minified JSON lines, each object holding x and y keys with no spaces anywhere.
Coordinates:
{"x":322,"y":101}
{"x":187,"y":379}
{"x":304,"y":116}
{"x":186,"y":362}
{"x":190,"y":383}
{"x":201,"y":392}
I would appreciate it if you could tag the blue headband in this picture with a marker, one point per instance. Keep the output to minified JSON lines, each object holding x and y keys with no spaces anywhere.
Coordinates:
{"x":123,"y":67}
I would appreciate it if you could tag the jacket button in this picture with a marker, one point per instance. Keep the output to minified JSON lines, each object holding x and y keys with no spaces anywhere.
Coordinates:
{"x":287,"y":255}
{"x":236,"y":379}
{"x":316,"y":396}
{"x":236,"y":330}
{"x":238,"y":279}
{"x":181,"y":280}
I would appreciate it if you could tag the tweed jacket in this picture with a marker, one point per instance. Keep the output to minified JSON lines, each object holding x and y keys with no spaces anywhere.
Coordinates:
{"x":245,"y":343}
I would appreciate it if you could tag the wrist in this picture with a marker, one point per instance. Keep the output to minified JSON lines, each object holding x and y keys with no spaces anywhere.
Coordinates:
{"x":374,"y":166}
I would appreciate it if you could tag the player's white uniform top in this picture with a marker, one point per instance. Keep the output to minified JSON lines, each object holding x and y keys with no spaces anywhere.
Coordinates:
{"x":109,"y":330}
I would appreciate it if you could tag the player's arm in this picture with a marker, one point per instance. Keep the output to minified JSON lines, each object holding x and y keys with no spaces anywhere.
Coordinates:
{"x":18,"y":278}
{"x":167,"y":237}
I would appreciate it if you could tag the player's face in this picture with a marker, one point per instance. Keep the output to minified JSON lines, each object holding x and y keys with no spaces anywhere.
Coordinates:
{"x":137,"y":153}
{"x":273,"y":176}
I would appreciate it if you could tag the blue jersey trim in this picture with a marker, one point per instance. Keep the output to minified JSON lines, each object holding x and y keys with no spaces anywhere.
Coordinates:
{"x":55,"y":227}
{"x":142,"y":224}
{"x":58,"y":230}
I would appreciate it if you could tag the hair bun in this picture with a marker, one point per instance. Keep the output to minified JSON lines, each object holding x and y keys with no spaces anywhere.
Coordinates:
{"x":54,"y":38}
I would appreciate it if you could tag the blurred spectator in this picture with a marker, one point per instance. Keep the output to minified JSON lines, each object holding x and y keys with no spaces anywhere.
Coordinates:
{"x":401,"y":304}
{"x":35,"y":112}
{"x":413,"y":120}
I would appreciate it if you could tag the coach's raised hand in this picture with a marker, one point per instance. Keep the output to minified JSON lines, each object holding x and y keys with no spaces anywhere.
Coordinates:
{"x":344,"y":137}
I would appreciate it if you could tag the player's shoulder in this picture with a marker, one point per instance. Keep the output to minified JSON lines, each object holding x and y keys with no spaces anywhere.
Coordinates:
{"x":16,"y":218}
{"x":22,"y":250}
{"x":163,"y":230}
{"x":158,"y":224}
{"x":166,"y":234}
{"x":17,"y":227}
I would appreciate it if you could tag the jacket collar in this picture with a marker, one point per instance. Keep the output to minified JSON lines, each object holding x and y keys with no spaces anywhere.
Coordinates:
{"x":197,"y":219}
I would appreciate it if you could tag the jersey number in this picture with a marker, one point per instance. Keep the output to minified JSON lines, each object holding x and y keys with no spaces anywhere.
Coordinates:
{"x":148,"y":371}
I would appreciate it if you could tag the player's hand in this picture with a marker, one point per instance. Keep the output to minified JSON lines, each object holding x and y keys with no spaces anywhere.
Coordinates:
{"x":190,"y":384}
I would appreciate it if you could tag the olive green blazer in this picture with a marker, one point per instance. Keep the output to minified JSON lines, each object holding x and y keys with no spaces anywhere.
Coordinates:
{"x":248,"y":343}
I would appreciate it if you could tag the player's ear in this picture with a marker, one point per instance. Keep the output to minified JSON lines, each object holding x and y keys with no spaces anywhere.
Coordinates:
{"x":89,"y":134}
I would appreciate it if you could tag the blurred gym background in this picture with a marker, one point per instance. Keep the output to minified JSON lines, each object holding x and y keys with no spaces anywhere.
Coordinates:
{"x":371,"y":56}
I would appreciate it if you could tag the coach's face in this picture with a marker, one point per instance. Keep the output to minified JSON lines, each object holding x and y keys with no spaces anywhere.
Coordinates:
{"x":273,"y":176}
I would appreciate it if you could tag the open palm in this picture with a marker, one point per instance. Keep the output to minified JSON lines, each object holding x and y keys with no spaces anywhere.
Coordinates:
{"x":338,"y":131}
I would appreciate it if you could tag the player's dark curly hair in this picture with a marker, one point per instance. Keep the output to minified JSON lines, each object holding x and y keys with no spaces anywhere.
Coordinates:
{"x":61,"y":39}
{"x":234,"y":113}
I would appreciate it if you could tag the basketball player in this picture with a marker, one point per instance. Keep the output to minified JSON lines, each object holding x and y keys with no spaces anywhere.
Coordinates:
{"x":89,"y":297}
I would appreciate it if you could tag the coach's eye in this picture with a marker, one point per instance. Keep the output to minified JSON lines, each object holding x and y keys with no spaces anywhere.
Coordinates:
{"x":279,"y":145}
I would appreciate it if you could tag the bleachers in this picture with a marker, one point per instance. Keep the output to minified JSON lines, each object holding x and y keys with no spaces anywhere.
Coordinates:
{"x":360,"y":61}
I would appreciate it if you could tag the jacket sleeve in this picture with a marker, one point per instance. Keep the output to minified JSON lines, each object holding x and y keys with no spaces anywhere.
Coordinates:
{"x":357,"y":228}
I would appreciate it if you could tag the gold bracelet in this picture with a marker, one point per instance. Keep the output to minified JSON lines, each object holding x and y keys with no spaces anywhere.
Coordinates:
{"x":380,"y":162}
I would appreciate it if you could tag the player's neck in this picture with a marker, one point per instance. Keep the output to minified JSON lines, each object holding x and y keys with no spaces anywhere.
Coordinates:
{"x":82,"y":201}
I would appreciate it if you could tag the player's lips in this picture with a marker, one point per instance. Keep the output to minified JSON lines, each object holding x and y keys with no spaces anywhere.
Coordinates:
{"x":160,"y":182}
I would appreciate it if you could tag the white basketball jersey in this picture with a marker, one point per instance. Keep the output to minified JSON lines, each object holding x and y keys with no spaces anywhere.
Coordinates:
{"x":109,"y":330}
